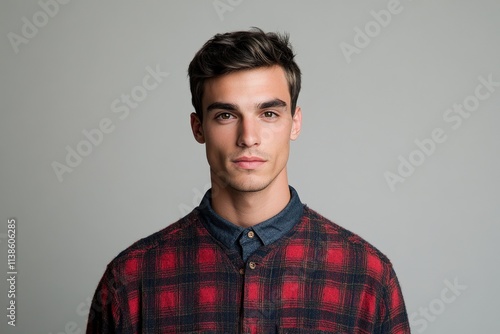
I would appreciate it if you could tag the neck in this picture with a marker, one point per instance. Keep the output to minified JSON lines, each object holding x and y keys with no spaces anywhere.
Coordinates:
{"x":245,"y":208}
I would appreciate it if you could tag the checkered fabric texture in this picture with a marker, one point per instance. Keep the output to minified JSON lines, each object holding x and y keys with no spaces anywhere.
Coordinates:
{"x":318,"y":278}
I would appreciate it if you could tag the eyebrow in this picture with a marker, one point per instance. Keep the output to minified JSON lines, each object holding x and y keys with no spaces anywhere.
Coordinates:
{"x":275,"y":103}
{"x":222,"y":106}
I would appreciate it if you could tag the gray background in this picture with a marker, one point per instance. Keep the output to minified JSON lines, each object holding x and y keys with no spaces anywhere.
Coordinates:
{"x":441,"y":224}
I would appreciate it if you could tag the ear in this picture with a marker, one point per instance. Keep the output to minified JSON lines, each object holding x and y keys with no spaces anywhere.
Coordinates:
{"x":197,"y":128}
{"x":296,"y":124}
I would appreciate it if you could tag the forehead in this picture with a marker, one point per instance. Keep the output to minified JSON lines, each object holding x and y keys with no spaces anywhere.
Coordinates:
{"x":247,"y":87}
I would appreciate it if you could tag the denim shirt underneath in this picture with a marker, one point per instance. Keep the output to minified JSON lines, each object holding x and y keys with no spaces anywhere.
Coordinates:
{"x":248,"y":240}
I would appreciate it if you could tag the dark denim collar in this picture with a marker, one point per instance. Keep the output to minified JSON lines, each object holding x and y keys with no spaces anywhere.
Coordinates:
{"x":268,"y":231}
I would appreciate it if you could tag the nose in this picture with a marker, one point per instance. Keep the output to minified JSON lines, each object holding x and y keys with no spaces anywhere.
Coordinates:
{"x":248,"y":133}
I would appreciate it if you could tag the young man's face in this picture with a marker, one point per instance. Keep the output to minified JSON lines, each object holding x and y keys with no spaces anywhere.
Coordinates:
{"x":247,"y":127}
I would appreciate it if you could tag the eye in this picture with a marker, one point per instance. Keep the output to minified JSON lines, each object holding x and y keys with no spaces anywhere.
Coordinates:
{"x":270,"y":114}
{"x":224,"y":115}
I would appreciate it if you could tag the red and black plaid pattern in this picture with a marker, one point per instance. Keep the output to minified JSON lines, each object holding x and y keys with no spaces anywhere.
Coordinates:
{"x":318,"y":278}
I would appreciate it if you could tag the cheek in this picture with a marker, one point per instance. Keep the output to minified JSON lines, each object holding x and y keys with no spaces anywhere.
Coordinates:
{"x":275,"y":133}
{"x":218,"y":135}
{"x":280,"y":151}
{"x":279,"y":138}
{"x":284,"y":151}
{"x":217,"y":147}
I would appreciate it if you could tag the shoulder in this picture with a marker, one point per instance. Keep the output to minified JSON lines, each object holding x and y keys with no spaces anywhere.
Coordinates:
{"x":359,"y":267}
{"x":337,"y":238}
{"x":182,"y":232}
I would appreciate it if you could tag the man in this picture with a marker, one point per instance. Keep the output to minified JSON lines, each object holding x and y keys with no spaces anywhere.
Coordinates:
{"x":251,"y":258}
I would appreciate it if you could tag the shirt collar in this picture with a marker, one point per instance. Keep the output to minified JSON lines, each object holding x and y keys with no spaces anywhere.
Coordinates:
{"x":268,"y":231}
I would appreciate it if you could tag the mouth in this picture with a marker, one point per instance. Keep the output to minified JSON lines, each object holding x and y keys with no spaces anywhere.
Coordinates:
{"x":249,"y":162}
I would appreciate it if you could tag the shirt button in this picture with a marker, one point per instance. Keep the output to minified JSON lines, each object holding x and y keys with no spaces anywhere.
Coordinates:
{"x":252,"y":265}
{"x":251,"y":234}
{"x":242,"y":271}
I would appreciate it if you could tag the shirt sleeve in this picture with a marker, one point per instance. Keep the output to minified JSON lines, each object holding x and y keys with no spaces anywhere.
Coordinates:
{"x":393,"y":315}
{"x":104,"y":316}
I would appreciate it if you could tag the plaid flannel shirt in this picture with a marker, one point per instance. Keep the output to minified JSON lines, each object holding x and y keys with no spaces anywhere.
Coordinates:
{"x":318,"y":278}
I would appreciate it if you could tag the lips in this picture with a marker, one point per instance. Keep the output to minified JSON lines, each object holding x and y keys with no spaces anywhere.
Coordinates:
{"x":249,"y":162}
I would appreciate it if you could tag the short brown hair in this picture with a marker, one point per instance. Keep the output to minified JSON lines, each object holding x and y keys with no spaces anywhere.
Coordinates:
{"x":242,"y":50}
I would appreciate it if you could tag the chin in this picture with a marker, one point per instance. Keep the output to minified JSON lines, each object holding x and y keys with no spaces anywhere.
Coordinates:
{"x":248,"y":185}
